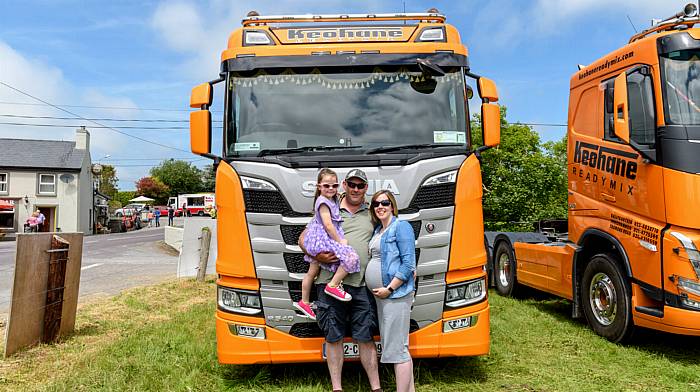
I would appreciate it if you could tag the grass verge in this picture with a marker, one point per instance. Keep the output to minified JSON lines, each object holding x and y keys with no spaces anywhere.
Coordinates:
{"x":162,"y":338}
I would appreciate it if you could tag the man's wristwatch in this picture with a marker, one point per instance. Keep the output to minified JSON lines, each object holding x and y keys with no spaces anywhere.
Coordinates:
{"x":391,"y":289}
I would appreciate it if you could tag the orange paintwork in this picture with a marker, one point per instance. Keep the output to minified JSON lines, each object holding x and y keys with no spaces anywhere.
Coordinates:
{"x":467,"y":244}
{"x":491,"y":114}
{"x":487,"y":89}
{"x":200,"y":131}
{"x":282,"y":35}
{"x":236,"y":48}
{"x":201,"y":95}
{"x":239,"y":283}
{"x":456,"y":276}
{"x":279,"y":347}
{"x":234,"y":255}
{"x":633,"y":204}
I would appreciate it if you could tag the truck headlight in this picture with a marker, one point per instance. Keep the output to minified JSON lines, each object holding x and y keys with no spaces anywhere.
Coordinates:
{"x":257,"y":184}
{"x":239,"y":301}
{"x":691,"y":250}
{"x":465,"y":293}
{"x":688,"y":285}
{"x":442,"y":178}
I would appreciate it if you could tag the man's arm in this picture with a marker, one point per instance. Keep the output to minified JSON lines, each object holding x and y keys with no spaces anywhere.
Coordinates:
{"x":323,"y":257}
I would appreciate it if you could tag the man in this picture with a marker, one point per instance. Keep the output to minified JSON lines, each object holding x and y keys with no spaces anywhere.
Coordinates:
{"x":360,"y":314}
{"x":40,"y":221}
{"x":171,"y":214}
{"x":156,"y":214}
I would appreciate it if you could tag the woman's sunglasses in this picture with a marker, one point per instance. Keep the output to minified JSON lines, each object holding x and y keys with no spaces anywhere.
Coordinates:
{"x":385,"y":203}
{"x":328,"y":186}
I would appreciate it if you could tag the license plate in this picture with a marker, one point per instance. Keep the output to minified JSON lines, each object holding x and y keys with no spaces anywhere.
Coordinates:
{"x":352,"y":350}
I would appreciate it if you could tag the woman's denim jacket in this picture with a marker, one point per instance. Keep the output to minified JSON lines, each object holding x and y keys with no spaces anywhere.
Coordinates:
{"x":398,"y":250}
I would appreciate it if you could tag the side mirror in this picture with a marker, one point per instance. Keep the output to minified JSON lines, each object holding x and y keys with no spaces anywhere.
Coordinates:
{"x":490,"y":112}
{"x":621,"y":108}
{"x":200,"y":121}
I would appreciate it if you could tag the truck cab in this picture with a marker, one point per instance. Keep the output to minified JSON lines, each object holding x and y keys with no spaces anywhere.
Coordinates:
{"x":629,"y":257}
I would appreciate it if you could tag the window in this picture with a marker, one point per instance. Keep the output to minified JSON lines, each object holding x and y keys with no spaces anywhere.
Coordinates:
{"x":640,"y":96}
{"x":3,"y":183}
{"x":47,"y":184}
{"x":641,"y":107}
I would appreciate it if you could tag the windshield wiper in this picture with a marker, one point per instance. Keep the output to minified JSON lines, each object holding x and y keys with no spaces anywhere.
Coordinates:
{"x":411,"y":147}
{"x":281,"y":151}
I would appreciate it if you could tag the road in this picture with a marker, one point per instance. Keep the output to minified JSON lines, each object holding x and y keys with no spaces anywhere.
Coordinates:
{"x":110,"y":263}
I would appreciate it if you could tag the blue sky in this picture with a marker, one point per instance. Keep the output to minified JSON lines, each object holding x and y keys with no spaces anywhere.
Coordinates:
{"x":130,"y":57}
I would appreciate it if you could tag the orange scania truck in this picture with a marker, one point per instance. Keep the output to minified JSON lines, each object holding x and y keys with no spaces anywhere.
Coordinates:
{"x":385,"y":93}
{"x":628,"y":256}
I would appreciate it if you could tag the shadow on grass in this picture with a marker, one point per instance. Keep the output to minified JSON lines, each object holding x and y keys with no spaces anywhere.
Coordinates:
{"x":286,"y":376}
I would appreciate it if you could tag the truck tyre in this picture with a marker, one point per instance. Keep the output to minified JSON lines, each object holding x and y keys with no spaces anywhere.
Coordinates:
{"x":200,"y":213}
{"x":189,"y":213}
{"x":606,"y":299}
{"x":504,"y":269}
{"x":119,"y":214}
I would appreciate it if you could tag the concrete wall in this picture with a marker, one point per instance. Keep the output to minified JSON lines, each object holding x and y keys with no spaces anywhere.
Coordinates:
{"x":173,"y":237}
{"x":189,"y":255}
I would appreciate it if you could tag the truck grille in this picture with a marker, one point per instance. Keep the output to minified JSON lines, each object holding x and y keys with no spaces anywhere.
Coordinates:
{"x":312,"y":330}
{"x":291,"y":233}
{"x":269,"y":202}
{"x":433,"y":196}
{"x":295,"y":263}
{"x":295,"y":291}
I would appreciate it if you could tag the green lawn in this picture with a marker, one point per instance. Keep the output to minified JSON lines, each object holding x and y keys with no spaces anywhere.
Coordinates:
{"x":162,"y":338}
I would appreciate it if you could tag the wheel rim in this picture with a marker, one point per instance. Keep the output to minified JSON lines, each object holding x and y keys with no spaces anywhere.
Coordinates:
{"x":504,"y":270}
{"x":603,"y":299}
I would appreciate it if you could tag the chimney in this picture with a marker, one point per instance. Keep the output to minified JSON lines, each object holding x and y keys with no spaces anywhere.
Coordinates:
{"x":82,"y":139}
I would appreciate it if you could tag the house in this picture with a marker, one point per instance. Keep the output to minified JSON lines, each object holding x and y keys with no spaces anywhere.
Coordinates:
{"x":52,"y":176}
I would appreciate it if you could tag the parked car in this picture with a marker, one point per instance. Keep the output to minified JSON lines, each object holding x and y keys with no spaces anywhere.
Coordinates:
{"x":119,"y":212}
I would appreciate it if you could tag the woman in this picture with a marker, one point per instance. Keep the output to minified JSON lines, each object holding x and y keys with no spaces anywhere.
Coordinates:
{"x":390,"y":276}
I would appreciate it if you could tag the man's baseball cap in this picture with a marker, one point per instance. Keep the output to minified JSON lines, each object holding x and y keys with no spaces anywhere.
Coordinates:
{"x":356,"y":173}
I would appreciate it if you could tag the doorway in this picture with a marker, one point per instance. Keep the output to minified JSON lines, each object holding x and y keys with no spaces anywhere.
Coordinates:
{"x":50,"y":219}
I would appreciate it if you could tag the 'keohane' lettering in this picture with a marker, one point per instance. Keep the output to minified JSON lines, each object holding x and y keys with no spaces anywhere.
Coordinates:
{"x":343,"y":33}
{"x":619,"y":163}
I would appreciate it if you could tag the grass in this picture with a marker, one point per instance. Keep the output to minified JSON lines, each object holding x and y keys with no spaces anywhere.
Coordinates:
{"x":162,"y":338}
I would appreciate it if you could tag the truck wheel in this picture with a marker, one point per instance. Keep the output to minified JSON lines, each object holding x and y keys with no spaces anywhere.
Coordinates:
{"x":119,"y":214}
{"x":189,"y":213}
{"x":606,"y":299}
{"x":504,"y":269}
{"x":200,"y":213}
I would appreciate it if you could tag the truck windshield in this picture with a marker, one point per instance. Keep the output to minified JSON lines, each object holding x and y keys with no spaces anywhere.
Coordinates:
{"x":359,"y":108}
{"x":681,"y":75}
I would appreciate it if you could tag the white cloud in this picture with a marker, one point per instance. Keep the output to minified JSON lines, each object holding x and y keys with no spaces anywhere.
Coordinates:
{"x":48,"y":83}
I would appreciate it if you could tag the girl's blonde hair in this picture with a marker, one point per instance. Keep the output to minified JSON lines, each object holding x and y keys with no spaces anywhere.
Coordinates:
{"x":322,"y":173}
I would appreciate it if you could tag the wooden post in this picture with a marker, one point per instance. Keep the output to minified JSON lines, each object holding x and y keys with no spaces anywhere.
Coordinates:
{"x":54,"y":288}
{"x":205,"y":241}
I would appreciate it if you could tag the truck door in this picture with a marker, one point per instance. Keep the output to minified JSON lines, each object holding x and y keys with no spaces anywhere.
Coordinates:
{"x":632,"y":184}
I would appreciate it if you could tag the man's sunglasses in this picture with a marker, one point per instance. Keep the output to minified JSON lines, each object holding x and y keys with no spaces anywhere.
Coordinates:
{"x":328,"y":186}
{"x":356,"y":185}
{"x":385,"y":203}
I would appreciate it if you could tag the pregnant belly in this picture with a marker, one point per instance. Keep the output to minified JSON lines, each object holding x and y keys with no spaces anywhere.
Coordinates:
{"x":373,"y":274}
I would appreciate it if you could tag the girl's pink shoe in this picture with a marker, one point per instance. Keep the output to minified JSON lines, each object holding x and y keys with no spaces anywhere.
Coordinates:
{"x":338,"y":293}
{"x":306,"y":309}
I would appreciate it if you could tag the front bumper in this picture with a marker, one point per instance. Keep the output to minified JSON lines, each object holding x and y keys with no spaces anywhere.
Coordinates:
{"x":279,"y":347}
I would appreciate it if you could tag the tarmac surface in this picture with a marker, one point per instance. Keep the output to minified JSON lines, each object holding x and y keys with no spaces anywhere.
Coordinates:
{"x":110,"y":264}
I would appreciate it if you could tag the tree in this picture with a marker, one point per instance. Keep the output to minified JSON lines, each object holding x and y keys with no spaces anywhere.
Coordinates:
{"x":179,"y":176}
{"x":209,"y":178}
{"x":524,"y":179}
{"x":123,"y":197}
{"x":153,"y":188}
{"x":108,"y":181}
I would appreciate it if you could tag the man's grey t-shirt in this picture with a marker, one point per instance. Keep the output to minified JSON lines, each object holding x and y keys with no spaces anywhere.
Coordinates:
{"x":358,"y":230}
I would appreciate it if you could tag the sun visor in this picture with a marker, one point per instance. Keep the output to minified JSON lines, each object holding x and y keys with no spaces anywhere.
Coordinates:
{"x":342,"y":34}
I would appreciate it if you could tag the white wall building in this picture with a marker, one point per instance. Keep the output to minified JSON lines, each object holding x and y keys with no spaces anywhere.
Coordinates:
{"x":52,"y":176}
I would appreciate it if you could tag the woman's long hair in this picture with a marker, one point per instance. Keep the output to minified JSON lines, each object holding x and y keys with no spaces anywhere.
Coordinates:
{"x":322,"y":173}
{"x":392,"y":199}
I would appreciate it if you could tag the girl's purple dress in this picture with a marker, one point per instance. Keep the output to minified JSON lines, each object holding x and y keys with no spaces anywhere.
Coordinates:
{"x":317,"y":239}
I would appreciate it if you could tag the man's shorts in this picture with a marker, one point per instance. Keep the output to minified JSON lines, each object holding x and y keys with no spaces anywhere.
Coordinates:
{"x":336,"y":318}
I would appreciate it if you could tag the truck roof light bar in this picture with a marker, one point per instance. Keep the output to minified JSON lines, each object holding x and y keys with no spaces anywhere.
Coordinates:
{"x":422,"y":16}
{"x":688,"y":17}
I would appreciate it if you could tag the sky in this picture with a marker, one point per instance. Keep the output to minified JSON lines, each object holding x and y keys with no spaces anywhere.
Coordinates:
{"x":130,"y":65}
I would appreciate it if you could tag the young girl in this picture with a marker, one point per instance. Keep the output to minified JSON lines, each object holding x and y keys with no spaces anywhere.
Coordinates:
{"x":324,"y":234}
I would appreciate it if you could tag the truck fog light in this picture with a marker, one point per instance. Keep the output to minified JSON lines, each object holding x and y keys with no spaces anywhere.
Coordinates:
{"x":460,"y":323}
{"x":690,"y":303}
{"x":247,"y":331}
